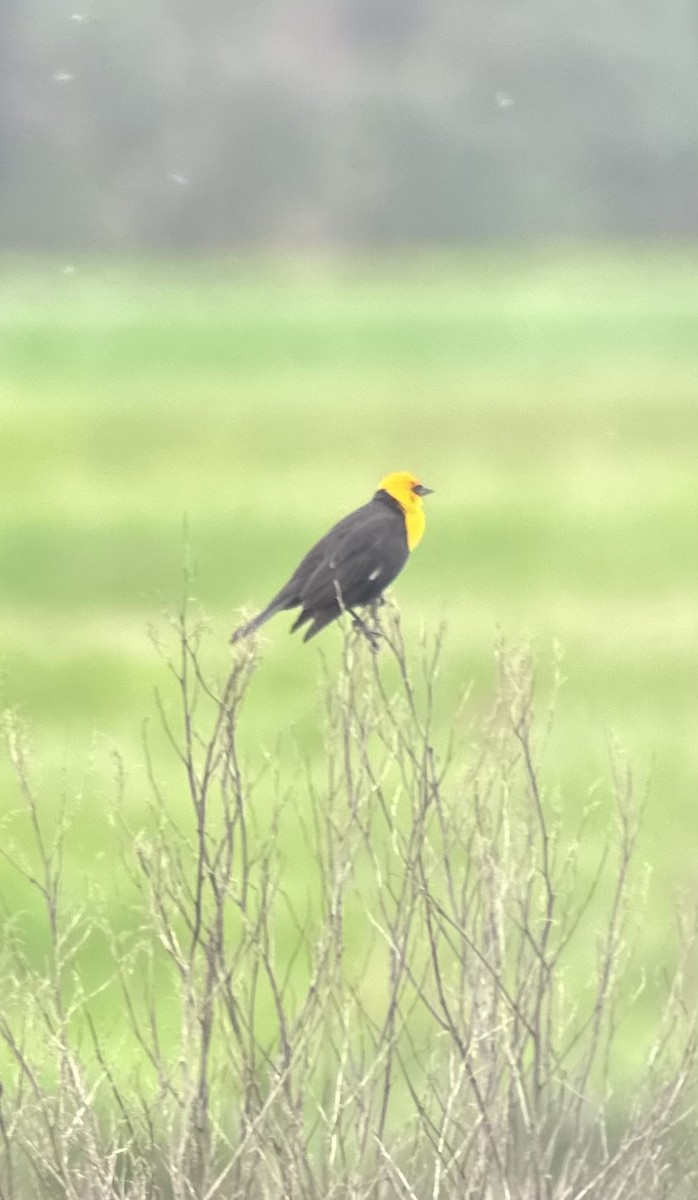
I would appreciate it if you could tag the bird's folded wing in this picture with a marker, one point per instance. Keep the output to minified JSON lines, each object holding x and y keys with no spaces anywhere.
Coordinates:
{"x":360,"y":560}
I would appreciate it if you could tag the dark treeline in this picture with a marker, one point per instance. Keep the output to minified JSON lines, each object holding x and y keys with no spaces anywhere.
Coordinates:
{"x":179,"y":123}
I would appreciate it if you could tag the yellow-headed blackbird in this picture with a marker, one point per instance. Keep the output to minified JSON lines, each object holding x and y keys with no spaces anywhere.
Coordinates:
{"x":353,"y":564}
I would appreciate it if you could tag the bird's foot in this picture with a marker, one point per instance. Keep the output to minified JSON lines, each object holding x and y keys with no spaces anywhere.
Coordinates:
{"x":373,"y":636}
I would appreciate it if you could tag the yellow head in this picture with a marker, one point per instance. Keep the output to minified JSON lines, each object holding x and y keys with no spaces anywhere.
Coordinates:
{"x":408,"y":491}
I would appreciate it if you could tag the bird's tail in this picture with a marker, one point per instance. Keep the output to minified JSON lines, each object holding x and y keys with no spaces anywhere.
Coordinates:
{"x":249,"y":627}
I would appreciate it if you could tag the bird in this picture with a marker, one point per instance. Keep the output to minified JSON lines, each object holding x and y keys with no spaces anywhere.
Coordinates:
{"x":354,"y":562}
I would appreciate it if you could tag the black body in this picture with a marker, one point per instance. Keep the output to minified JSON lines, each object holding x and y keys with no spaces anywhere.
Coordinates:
{"x":349,"y":567}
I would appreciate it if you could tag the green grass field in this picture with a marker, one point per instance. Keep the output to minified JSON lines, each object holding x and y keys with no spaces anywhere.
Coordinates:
{"x":549,"y":396}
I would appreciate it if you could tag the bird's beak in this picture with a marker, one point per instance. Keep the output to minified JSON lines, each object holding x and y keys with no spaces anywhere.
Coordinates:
{"x":421,"y":490}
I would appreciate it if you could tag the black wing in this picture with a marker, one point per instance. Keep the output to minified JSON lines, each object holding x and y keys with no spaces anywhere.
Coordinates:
{"x":352,"y":564}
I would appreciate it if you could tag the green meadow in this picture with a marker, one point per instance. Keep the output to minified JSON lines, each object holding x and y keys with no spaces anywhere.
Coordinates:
{"x":223,"y":414}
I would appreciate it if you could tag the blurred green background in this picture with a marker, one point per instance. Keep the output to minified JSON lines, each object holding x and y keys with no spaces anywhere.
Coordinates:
{"x":231,"y":411}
